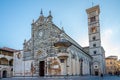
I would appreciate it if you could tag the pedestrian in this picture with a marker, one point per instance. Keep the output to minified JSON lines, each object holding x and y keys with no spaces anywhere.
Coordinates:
{"x":101,"y":75}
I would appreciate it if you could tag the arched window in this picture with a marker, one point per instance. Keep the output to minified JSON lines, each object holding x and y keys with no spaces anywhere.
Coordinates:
{"x":94,"y":45}
{"x":4,"y":61}
{"x":93,"y":29}
{"x":92,"y":19}
{"x":11,"y":62}
{"x":95,"y":52}
{"x":94,"y":37}
{"x":62,"y":60}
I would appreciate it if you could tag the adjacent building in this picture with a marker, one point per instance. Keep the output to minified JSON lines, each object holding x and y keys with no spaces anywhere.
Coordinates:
{"x":6,"y":62}
{"x":51,"y":52}
{"x":112,"y":65}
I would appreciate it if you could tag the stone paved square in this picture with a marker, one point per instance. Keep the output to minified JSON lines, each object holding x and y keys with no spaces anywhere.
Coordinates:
{"x":65,"y":78}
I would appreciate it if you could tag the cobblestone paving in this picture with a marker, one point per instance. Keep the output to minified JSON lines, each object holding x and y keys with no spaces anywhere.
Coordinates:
{"x":65,"y":78}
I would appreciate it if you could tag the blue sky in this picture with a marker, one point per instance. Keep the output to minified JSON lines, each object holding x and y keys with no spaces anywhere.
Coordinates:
{"x":16,"y":17}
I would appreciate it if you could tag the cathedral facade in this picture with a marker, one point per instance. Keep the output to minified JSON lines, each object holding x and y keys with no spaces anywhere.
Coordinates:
{"x":51,"y":52}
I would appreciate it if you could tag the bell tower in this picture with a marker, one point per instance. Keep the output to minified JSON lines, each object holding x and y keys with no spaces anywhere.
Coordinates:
{"x":95,"y":48}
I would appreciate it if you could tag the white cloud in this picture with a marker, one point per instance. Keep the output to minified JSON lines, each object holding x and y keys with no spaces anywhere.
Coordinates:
{"x":83,"y":41}
{"x":109,"y":46}
{"x":107,"y":33}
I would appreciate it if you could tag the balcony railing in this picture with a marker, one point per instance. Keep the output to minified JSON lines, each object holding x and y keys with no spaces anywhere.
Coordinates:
{"x":6,"y":56}
{"x":63,"y":55}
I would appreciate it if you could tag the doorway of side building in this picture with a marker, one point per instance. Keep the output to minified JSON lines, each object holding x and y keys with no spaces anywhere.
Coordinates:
{"x":41,"y":68}
{"x":96,"y":73}
{"x":4,"y":74}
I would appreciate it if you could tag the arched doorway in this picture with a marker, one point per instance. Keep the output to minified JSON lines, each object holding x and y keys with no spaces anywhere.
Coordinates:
{"x":41,"y":68}
{"x":96,"y":68}
{"x":96,"y":73}
{"x":4,"y":74}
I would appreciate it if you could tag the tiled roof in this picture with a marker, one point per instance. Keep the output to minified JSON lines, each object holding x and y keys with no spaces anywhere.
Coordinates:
{"x":8,"y":49}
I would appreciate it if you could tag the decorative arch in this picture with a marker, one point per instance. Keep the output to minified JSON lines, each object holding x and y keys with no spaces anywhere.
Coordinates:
{"x":96,"y":65}
{"x":96,"y":62}
{"x":4,"y":61}
{"x":19,"y":55}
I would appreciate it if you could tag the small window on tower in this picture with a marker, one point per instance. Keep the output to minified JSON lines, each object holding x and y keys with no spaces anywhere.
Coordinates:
{"x":95,"y":52}
{"x":93,"y":29}
{"x":94,"y":45}
{"x":94,"y":38}
{"x":92,"y":19}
